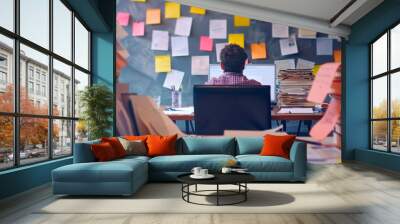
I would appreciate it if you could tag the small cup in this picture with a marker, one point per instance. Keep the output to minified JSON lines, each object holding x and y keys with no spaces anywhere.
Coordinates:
{"x":196,"y":171}
{"x":226,"y":170}
{"x":203,"y":172}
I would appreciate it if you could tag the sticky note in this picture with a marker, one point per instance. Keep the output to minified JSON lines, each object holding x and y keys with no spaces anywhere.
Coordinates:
{"x":160,"y":40}
{"x":172,"y":10}
{"x":197,"y":10}
{"x":180,"y":46}
{"x":258,"y":51}
{"x":307,"y":34}
{"x":138,"y":29}
{"x":337,"y":56}
{"x":206,"y":43}
{"x":218,"y":49}
{"x":218,"y":28}
{"x":315,"y":69}
{"x":280,"y":31}
{"x":123,"y":18}
{"x":236,"y":38}
{"x":322,"y":82}
{"x":200,"y":65}
{"x":162,"y":63}
{"x":183,"y":26}
{"x":173,"y":79}
{"x":138,"y":0}
{"x":240,"y":21}
{"x":153,"y":16}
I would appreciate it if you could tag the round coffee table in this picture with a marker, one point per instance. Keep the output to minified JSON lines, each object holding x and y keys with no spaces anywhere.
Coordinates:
{"x":238,"y":179}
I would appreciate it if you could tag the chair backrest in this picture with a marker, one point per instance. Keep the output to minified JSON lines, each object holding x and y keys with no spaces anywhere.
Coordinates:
{"x":219,"y":108}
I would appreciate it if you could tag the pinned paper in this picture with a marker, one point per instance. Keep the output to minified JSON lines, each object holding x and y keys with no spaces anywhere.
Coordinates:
{"x":123,"y":18}
{"x":180,"y":46}
{"x":197,"y":10}
{"x":325,"y":126}
{"x":183,"y":26}
{"x":236,"y":38}
{"x":240,"y":21}
{"x":206,"y":43}
{"x":288,"y":46}
{"x":200,"y":65}
{"x":324,"y":46}
{"x":162,"y":63}
{"x":218,"y":49}
{"x":304,"y":64}
{"x":173,"y":79}
{"x":307,"y":34}
{"x":172,"y":10}
{"x":258,"y":51}
{"x":138,"y":29}
{"x":337,"y":56}
{"x":138,"y":0}
{"x":153,"y":16}
{"x":160,"y":40}
{"x":322,"y":82}
{"x":315,"y":69}
{"x":280,"y":31}
{"x":218,"y":29}
{"x":283,"y":65}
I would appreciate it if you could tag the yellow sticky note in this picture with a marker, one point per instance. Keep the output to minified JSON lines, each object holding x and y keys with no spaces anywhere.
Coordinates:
{"x":138,"y":0}
{"x":241,"y":21}
{"x":197,"y":10}
{"x":258,"y":51}
{"x":337,"y":56}
{"x":236,"y":38}
{"x":153,"y":16}
{"x":315,"y":69}
{"x":172,"y":10}
{"x":162,"y":63}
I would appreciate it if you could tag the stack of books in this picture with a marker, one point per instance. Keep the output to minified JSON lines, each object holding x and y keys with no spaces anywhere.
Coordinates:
{"x":294,"y":85}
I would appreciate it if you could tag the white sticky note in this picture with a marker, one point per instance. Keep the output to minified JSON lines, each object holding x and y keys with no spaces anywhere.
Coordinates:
{"x":280,"y":31}
{"x":183,"y":26}
{"x":218,"y":49}
{"x":160,"y":40}
{"x":324,"y":46}
{"x":218,"y":29}
{"x":180,"y":46}
{"x":304,"y":64}
{"x":288,"y":46}
{"x":284,"y":64}
{"x":200,"y":65}
{"x":173,"y":79}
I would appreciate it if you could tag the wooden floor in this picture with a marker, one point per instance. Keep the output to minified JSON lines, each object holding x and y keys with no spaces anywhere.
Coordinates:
{"x":379,"y":189}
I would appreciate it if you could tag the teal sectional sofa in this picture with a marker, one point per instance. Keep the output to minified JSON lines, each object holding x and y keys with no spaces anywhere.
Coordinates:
{"x":125,"y":176}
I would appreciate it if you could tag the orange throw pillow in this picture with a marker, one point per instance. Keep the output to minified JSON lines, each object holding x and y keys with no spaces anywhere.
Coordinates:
{"x":103,"y":152}
{"x":275,"y":145}
{"x":116,"y":145}
{"x":135,"y":137}
{"x":161,"y":145}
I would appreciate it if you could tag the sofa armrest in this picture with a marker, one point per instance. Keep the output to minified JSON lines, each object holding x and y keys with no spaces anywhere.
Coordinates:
{"x":83,"y":152}
{"x":298,"y":155}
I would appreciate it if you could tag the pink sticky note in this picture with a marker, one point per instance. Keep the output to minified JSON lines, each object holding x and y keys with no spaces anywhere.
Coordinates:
{"x":322,"y":82}
{"x":123,"y":18}
{"x":325,"y":126}
{"x":206,"y":43}
{"x":138,"y":29}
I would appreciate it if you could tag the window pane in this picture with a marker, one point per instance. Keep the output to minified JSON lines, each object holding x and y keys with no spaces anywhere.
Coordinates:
{"x":379,"y":55}
{"x":81,"y":45}
{"x":7,"y":14}
{"x":62,"y":89}
{"x":35,"y":21}
{"x":395,"y":136}
{"x":81,"y":81}
{"x":379,"y":135}
{"x":6,"y":74}
{"x":62,"y":29}
{"x":62,"y":138}
{"x":33,"y":139}
{"x":395,"y":94}
{"x":81,"y":131}
{"x":395,"y":47}
{"x":379,"y":97}
{"x":6,"y":142}
{"x":34,"y":97}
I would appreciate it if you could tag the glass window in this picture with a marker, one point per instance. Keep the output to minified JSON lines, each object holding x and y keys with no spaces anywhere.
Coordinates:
{"x":62,"y":138}
{"x":379,"y":135}
{"x":33,"y":139}
{"x":81,"y":131}
{"x":395,"y":95}
{"x":395,"y":47}
{"x":7,"y":74}
{"x":35,"y":21}
{"x":62,"y":72}
{"x":379,"y":97}
{"x":81,"y":82}
{"x":62,"y":29}
{"x":395,"y":136}
{"x":7,"y":14}
{"x":6,"y":142}
{"x":81,"y":45}
{"x":379,"y":56}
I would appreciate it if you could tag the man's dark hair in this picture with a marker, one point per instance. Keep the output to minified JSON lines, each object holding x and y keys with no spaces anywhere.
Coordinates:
{"x":233,"y":57}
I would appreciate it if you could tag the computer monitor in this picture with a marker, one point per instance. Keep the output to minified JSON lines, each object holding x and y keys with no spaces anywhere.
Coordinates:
{"x":263,"y":73}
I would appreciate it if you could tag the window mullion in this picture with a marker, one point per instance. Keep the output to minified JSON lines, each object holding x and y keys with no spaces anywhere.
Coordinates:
{"x":389,"y":101}
{"x":16,"y":84}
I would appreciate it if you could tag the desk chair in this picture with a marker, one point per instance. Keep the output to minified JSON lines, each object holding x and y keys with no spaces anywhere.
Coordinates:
{"x":219,"y":108}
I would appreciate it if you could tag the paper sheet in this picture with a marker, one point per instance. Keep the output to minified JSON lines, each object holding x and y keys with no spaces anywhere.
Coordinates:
{"x":160,"y":40}
{"x":123,"y":18}
{"x":218,"y":28}
{"x":288,"y":46}
{"x":304,"y":64}
{"x":200,"y":65}
{"x":296,"y":110}
{"x":173,"y":79}
{"x":206,"y":43}
{"x":324,"y":46}
{"x":337,"y":56}
{"x":307,"y":34}
{"x":240,"y":21}
{"x":327,"y":123}
{"x":236,"y":38}
{"x":172,"y":10}
{"x":322,"y":82}
{"x":138,"y":29}
{"x":280,"y":31}
{"x":162,"y":63}
{"x":183,"y":26}
{"x":197,"y":10}
{"x":179,"y":46}
{"x":139,"y":0}
{"x":258,"y":51}
{"x":153,"y":16}
{"x":284,"y":64}
{"x":218,"y":49}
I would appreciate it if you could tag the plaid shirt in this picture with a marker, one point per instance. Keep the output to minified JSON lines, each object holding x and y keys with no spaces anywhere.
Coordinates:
{"x":231,"y":78}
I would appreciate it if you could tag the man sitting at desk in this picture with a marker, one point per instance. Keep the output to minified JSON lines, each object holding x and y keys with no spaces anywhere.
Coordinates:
{"x":233,"y":59}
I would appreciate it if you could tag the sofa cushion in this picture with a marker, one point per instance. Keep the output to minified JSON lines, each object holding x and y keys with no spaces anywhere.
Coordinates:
{"x":185,"y":163}
{"x":249,"y":145}
{"x":133,"y":147}
{"x":208,"y":145}
{"x":161,"y":145}
{"x":116,"y":145}
{"x":103,"y":152}
{"x":257,"y":163}
{"x":277,"y":145}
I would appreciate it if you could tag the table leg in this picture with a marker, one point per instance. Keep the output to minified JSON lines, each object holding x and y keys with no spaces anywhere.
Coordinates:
{"x":283,"y":122}
{"x":192,"y":126}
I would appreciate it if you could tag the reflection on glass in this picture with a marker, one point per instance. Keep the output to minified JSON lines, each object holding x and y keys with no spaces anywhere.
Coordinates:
{"x":81,"y":82}
{"x":62,"y":138}
{"x":81,"y":45}
{"x":6,"y":142}
{"x":81,"y":131}
{"x":379,"y":97}
{"x":395,"y":47}
{"x":33,"y":139}
{"x":7,"y":14}
{"x":395,"y":95}
{"x":379,"y":56}
{"x":6,"y":74}
{"x":35,"y":21}
{"x":62,"y":89}
{"x":62,"y":29}
{"x":379,"y":135}
{"x":395,"y":135}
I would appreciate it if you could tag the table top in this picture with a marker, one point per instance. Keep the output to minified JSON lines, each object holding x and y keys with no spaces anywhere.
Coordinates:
{"x":220,"y":178}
